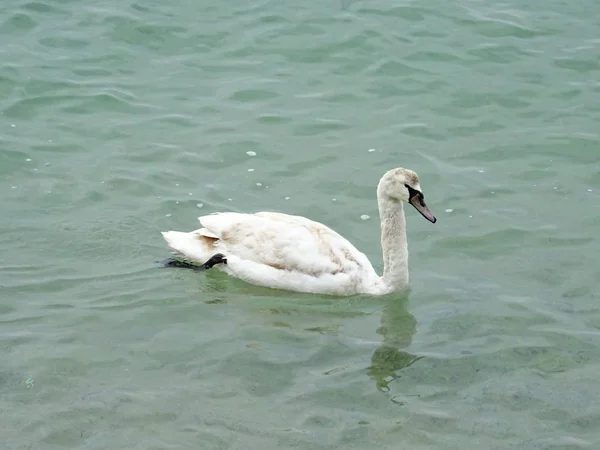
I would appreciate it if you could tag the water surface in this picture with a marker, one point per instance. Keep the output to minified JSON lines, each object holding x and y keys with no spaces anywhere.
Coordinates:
{"x":122,"y":119}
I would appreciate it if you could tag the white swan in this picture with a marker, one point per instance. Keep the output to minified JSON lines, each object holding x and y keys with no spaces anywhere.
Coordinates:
{"x":291,"y":252}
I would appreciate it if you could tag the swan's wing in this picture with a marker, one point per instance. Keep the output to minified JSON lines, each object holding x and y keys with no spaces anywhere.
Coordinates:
{"x":284,"y":242}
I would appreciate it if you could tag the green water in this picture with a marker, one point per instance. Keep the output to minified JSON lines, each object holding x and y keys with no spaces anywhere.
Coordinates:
{"x":119,"y":120}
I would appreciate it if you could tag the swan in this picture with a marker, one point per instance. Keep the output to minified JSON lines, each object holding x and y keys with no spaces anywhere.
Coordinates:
{"x":294,"y":253}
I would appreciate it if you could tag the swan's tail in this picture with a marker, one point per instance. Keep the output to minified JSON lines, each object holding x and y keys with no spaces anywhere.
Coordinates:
{"x":191,"y":247}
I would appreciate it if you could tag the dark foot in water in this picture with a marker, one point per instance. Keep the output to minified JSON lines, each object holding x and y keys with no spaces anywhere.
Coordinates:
{"x":170,"y":262}
{"x":218,"y":258}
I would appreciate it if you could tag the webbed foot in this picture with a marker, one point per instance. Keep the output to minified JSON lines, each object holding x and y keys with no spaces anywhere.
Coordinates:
{"x":217,"y":258}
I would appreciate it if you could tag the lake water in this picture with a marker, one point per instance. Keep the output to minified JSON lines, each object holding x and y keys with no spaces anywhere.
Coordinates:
{"x":119,"y":120}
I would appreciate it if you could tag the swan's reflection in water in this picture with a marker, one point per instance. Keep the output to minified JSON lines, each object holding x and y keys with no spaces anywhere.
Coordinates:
{"x":302,"y":311}
{"x":397,"y":329}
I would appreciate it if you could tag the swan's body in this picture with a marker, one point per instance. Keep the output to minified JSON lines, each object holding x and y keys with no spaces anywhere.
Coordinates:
{"x":291,"y":252}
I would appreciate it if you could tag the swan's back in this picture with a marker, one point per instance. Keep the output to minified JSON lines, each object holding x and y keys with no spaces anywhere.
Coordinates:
{"x":285,"y":242}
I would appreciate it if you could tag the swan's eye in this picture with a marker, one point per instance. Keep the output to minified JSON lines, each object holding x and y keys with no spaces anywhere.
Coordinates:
{"x":413,"y":192}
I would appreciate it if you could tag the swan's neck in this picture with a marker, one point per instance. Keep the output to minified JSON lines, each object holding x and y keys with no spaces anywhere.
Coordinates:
{"x":393,"y":243}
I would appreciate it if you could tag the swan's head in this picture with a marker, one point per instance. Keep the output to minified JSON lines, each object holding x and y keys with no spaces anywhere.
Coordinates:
{"x":402,"y":185}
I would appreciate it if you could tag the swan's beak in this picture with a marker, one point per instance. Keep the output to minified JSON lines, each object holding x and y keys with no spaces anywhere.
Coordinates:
{"x":419,"y":203}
